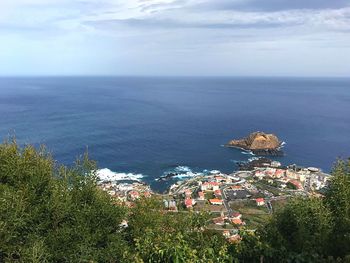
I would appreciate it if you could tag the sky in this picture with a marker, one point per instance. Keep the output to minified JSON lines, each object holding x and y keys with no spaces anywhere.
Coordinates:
{"x":175,"y":37}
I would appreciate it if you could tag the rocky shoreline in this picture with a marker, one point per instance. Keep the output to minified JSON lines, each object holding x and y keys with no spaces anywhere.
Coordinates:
{"x":260,"y":162}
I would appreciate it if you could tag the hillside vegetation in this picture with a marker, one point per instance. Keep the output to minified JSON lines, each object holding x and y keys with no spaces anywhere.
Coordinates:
{"x":52,"y":213}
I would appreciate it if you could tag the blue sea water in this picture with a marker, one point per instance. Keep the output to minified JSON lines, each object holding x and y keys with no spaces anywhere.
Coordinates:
{"x":150,"y":125}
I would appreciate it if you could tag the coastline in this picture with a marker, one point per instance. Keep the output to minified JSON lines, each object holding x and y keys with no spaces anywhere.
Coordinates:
{"x":232,"y":200}
{"x":251,"y":164}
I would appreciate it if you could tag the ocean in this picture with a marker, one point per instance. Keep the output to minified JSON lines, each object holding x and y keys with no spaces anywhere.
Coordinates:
{"x":144,"y":127}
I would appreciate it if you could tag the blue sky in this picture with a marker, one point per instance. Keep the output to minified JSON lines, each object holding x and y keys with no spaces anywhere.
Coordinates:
{"x":175,"y":37}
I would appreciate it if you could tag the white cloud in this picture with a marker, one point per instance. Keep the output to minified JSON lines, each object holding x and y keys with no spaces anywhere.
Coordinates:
{"x":192,"y":33}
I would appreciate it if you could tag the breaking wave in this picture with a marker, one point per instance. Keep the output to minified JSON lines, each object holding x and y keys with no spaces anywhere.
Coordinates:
{"x":253,"y":159}
{"x":183,"y":172}
{"x":184,"y":169}
{"x":108,"y":175}
{"x":248,"y":153}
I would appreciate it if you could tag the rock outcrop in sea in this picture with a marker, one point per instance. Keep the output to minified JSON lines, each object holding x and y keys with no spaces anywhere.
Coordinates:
{"x":259,"y":143}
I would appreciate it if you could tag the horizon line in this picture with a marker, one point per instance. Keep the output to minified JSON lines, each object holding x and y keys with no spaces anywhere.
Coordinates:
{"x":170,"y":76}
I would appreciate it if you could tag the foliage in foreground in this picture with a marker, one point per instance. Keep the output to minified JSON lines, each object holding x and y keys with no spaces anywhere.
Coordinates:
{"x":51,"y":213}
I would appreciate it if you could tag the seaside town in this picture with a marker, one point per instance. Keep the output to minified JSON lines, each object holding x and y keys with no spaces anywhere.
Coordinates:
{"x":245,"y":198}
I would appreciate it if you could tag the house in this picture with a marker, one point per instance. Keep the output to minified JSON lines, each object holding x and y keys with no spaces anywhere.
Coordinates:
{"x":296,"y":183}
{"x":279,"y":173}
{"x":237,"y":221}
{"x":235,"y":215}
{"x":220,"y":178}
{"x":216,"y":201}
{"x":219,"y":221}
{"x":166,"y":203}
{"x":275,"y":164}
{"x":170,"y":205}
{"x":217,"y":193}
{"x":260,"y":201}
{"x":259,"y":174}
{"x":270,"y":171}
{"x":226,"y":233}
{"x":293,"y":174}
{"x":236,"y":187}
{"x":302,"y":177}
{"x":235,"y":238}
{"x":214,"y":185}
{"x":124,"y":224}
{"x":134,"y":195}
{"x":201,"y":196}
{"x":189,"y":203}
{"x":147,"y":194}
{"x":205,"y":186}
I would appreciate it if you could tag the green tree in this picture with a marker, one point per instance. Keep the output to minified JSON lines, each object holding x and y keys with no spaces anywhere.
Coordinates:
{"x":291,"y":186}
{"x":51,"y":213}
{"x":160,"y":236}
{"x":54,"y":214}
{"x":338,"y":200}
{"x":301,"y":229}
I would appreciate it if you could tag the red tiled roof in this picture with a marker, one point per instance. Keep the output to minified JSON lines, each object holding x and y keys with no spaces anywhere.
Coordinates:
{"x":215,"y":200}
{"x":237,"y":221}
{"x":218,"y":220}
{"x":235,"y":214}
{"x":234,"y":239}
{"x":188,"y":202}
{"x":147,"y":194}
{"x":134,"y":193}
{"x":296,"y":183}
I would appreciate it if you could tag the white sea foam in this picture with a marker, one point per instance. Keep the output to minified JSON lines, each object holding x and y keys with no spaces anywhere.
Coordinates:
{"x":248,"y":153}
{"x":187,"y":175}
{"x":182,"y":169}
{"x":185,"y":172}
{"x":253,"y":159}
{"x":181,"y":172}
{"x":108,"y":175}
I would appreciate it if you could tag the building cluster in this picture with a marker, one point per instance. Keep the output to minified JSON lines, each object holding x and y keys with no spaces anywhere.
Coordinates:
{"x":126,"y":193}
{"x":218,"y":192}
{"x":205,"y":189}
{"x":307,"y":179}
{"x":234,"y":218}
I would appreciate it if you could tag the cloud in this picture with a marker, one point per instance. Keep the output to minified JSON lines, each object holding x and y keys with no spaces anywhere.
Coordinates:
{"x":272,"y":5}
{"x":177,"y":35}
{"x":326,"y":20}
{"x":168,"y":24}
